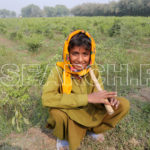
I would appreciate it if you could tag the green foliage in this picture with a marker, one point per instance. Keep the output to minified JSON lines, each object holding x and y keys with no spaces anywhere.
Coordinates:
{"x":2,"y":28}
{"x":119,"y":8}
{"x":115,"y":29}
{"x":146,"y":108}
{"x":49,"y":11}
{"x":4,"y":13}
{"x":4,"y":123}
{"x":15,"y":101}
{"x":15,"y":35}
{"x":34,"y":42}
{"x":61,"y":10}
{"x":3,"y":51}
{"x":45,"y":69}
{"x":31,"y":11}
{"x":48,"y":33}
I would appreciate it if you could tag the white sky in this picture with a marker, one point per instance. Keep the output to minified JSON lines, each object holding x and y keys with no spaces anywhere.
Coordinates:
{"x":16,"y":5}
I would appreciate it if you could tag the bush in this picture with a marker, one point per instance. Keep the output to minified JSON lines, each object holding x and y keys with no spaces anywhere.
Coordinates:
{"x":45,"y":69}
{"x":34,"y":42}
{"x":15,"y":35}
{"x":15,"y":102}
{"x":48,"y":33}
{"x":115,"y":29}
{"x":20,"y":102}
{"x":2,"y":29}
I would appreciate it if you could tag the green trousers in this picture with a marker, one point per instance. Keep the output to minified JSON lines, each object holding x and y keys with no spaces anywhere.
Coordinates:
{"x":67,"y":129}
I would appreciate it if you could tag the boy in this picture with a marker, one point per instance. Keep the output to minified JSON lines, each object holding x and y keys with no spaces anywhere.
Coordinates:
{"x":76,"y":106}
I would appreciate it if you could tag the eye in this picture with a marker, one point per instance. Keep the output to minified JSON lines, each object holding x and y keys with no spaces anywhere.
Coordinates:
{"x":75,"y":53}
{"x":85,"y":54}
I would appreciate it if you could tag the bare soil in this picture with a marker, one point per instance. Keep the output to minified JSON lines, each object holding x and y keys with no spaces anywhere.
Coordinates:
{"x":33,"y":139}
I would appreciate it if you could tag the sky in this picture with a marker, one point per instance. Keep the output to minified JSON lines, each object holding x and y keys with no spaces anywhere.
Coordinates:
{"x":16,"y":5}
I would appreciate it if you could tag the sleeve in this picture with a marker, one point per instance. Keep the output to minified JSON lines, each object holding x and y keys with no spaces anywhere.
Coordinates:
{"x":98,"y":76}
{"x":52,"y":97}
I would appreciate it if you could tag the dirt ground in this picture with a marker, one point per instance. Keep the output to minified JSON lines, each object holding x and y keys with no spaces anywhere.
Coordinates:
{"x":142,"y":95}
{"x":33,"y":139}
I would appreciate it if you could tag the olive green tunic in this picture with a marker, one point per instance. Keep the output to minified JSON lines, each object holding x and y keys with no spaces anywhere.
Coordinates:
{"x":75,"y":104}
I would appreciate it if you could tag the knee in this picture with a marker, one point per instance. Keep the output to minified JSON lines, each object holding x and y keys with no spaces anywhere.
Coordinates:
{"x":124,"y":104}
{"x":58,"y":114}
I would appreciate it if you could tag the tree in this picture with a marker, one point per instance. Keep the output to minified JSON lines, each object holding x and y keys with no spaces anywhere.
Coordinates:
{"x":61,"y":10}
{"x":31,"y":11}
{"x":12,"y":14}
{"x":4,"y":13}
{"x":120,"y":8}
{"x":49,"y":11}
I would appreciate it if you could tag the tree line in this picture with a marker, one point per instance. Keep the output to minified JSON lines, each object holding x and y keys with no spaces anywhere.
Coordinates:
{"x":35,"y":11}
{"x":120,"y":8}
{"x":4,"y":13}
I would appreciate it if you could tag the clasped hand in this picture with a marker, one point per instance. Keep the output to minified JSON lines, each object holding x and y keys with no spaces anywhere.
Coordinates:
{"x":100,"y":96}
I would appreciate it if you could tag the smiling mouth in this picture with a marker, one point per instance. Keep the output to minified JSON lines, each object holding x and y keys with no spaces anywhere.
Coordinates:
{"x":78,"y":66}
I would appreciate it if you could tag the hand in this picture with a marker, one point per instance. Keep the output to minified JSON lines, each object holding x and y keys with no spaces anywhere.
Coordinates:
{"x":114,"y":102}
{"x":100,"y":96}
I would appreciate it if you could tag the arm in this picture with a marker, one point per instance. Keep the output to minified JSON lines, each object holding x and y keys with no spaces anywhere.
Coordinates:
{"x":52,"y":97}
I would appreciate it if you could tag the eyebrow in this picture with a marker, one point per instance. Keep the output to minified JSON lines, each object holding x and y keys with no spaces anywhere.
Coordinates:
{"x":83,"y":52}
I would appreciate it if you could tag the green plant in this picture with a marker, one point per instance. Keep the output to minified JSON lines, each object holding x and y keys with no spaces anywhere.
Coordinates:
{"x":2,"y":28}
{"x":15,"y":35}
{"x":34,"y":42}
{"x":115,"y":29}
{"x":15,"y":100}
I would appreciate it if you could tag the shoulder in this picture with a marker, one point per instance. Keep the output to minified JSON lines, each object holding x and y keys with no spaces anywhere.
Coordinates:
{"x":56,"y":70}
{"x":55,"y":73}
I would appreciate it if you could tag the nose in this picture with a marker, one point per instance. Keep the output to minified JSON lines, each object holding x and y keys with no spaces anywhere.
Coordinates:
{"x":80,"y":59}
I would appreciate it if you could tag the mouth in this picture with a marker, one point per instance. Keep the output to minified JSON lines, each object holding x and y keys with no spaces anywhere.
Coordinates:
{"x":79,"y":66}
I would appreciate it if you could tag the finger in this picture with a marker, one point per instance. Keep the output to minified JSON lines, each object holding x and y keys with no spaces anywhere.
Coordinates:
{"x":117,"y":105}
{"x":111,"y":100}
{"x":115,"y":101}
{"x":110,"y":96}
{"x":104,"y":90}
{"x":114,"y":93}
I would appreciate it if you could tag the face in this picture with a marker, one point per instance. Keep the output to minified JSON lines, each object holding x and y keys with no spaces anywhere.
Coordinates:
{"x":79,"y":57}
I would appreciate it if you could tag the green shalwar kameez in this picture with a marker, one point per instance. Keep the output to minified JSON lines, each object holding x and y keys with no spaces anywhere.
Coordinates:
{"x":71,"y":115}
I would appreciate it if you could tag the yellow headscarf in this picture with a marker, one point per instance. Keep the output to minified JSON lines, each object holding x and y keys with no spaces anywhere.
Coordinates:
{"x":67,"y":67}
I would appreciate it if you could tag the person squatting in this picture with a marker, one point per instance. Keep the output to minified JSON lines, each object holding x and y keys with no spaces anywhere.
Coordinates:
{"x":76,"y":107}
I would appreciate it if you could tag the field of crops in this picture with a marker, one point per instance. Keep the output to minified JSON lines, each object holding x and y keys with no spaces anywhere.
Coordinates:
{"x":30,"y":47}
